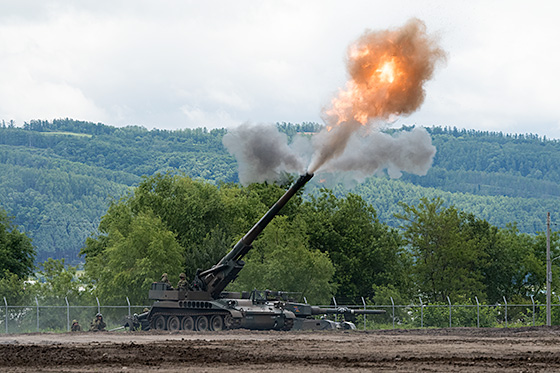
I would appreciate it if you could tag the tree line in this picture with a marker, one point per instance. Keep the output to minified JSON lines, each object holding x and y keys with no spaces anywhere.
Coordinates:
{"x":60,"y":176}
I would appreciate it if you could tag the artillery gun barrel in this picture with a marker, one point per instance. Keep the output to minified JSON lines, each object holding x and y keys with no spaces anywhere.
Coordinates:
{"x":241,"y":247}
{"x":344,"y":310}
{"x":215,"y":279}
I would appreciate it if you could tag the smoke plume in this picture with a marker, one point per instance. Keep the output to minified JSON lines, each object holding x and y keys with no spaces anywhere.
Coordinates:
{"x":387,"y":71}
{"x":408,"y":151}
{"x":262,"y":153}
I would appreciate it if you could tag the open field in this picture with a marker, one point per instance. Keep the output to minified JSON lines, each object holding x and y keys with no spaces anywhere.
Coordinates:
{"x":451,"y":350}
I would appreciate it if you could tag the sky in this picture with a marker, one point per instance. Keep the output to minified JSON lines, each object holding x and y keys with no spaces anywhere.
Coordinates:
{"x":173,"y":64}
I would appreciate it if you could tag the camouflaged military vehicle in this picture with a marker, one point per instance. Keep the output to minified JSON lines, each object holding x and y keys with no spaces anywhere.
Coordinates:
{"x":205,"y":305}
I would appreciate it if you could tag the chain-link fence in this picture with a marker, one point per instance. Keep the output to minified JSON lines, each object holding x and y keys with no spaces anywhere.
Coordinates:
{"x":58,"y":318}
{"x":447,"y":314}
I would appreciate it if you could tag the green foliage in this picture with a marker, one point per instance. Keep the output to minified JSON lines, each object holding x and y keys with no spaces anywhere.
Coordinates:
{"x":56,"y":282}
{"x":515,"y":268}
{"x":364,"y":251}
{"x":60,"y":176}
{"x":282,"y":260}
{"x":138,"y":249}
{"x":437,"y":315}
{"x":176,"y":224}
{"x":529,"y":214}
{"x":13,"y":288}
{"x":447,"y":251}
{"x":16,"y":251}
{"x":382,"y":295}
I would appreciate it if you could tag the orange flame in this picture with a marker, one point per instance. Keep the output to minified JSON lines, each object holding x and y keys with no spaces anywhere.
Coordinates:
{"x":387,"y":71}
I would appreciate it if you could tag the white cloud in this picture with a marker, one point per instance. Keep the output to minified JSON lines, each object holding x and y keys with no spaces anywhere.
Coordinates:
{"x":175,"y":64}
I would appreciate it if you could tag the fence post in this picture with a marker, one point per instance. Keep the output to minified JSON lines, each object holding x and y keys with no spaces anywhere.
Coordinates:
{"x":98,"y":306}
{"x":421,"y":313}
{"x":335,"y":306}
{"x":6,"y":303}
{"x":67,"y":313}
{"x":505,"y":301}
{"x":127,"y":301}
{"x":533,"y":301}
{"x":559,"y":302}
{"x":364,"y":302}
{"x":448,"y":301}
{"x":477,"y":312}
{"x":392,"y":302}
{"x":37,"y":302}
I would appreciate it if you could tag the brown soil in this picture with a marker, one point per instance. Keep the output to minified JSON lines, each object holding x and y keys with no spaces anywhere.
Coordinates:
{"x":450,"y":350}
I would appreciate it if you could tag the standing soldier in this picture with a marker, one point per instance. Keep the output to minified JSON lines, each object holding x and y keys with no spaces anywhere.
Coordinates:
{"x":182,"y":284}
{"x":98,"y":325}
{"x":75,"y":326}
{"x":165,"y":280}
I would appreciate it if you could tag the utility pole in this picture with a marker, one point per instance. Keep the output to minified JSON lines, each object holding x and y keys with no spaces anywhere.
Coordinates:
{"x":548,"y":271}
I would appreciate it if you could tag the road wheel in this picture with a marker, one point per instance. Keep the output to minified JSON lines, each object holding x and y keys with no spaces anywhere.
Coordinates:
{"x":228,"y":321}
{"x":160,"y":322}
{"x":288,"y":324}
{"x":188,"y":323}
{"x":173,"y":324}
{"x":202,"y":323}
{"x":216,"y":323}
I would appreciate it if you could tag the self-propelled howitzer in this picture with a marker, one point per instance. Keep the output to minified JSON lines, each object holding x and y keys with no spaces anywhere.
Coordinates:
{"x":204,"y":306}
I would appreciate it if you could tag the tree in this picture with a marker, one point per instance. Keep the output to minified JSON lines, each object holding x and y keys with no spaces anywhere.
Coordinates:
{"x":364,"y":251}
{"x":12,"y":287}
{"x":282,"y":260}
{"x":514,"y":269}
{"x":173,"y":224}
{"x":16,"y":251}
{"x":447,"y":251}
{"x":137,"y":250}
{"x":57,"y":281}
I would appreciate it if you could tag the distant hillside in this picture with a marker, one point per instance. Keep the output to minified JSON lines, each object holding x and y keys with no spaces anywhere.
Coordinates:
{"x":59,"y":177}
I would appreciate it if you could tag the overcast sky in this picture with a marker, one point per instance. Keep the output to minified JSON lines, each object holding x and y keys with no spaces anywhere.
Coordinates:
{"x":182,"y":64}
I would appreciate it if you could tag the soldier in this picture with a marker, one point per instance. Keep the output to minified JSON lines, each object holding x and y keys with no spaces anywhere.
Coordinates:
{"x":182,"y":284}
{"x":75,"y":326}
{"x":165,"y":280}
{"x":98,"y":325}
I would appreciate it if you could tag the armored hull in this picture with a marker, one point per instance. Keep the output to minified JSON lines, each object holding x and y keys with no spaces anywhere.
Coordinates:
{"x":176,"y":310}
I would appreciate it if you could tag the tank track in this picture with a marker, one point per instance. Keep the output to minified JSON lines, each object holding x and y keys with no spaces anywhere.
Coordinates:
{"x":228,"y":322}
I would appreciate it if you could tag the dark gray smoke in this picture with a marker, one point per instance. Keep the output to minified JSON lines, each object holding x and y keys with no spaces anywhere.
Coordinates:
{"x":262,"y":153}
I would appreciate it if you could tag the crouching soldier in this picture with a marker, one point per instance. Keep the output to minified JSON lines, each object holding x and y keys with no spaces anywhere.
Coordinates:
{"x":98,"y":325}
{"x":75,"y":326}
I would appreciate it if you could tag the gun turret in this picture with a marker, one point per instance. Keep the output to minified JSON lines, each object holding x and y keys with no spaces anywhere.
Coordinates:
{"x":215,"y":279}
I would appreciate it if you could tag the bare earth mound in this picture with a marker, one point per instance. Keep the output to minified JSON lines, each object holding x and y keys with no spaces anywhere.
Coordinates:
{"x":456,"y":349}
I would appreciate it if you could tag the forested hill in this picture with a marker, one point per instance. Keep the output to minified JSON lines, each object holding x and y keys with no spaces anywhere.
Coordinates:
{"x":58,"y":178}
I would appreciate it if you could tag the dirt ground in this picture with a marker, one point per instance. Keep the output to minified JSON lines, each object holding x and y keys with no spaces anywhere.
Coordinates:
{"x":450,"y":350}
